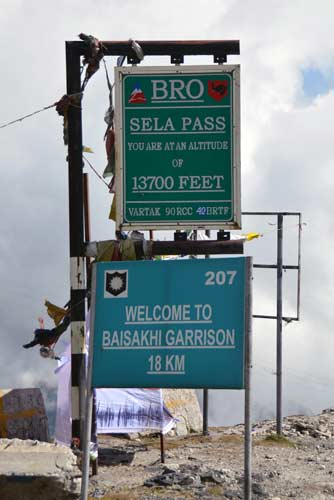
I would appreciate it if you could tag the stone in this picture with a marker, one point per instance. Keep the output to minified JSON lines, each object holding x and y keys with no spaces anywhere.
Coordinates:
{"x":32,"y":470}
{"x":232,"y":494}
{"x":175,"y":478}
{"x":212,"y":476}
{"x":22,"y":414}
{"x":258,"y":489}
{"x":193,"y":476}
{"x":171,"y":468}
{"x":184,"y":406}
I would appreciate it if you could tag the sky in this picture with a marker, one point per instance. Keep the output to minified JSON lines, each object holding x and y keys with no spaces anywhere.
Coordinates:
{"x":287,"y":109}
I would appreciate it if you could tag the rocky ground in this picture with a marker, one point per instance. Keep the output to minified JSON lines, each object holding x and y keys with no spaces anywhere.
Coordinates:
{"x":300,"y":465}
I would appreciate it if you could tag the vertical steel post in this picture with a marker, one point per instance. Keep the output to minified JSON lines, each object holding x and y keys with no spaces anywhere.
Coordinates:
{"x":162,"y":439}
{"x":279,"y":309}
{"x":87,"y":239}
{"x":205,"y":411}
{"x":76,"y":236}
{"x":205,"y":430}
{"x":87,"y":224}
{"x":299,"y":264}
{"x":89,"y":400}
{"x":248,"y":372}
{"x":162,"y":448}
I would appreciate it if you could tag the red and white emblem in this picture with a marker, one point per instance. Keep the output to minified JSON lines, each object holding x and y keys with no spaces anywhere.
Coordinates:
{"x":137,"y":96}
{"x":218,"y":89}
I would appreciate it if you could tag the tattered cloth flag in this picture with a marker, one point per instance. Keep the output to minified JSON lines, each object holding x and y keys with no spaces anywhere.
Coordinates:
{"x":55,"y":312}
{"x":47,"y":338}
{"x":109,"y":171}
{"x":109,"y":135}
{"x":112,"y":213}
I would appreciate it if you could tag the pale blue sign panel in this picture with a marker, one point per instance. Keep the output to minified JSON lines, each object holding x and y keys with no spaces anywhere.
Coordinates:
{"x":174,"y":323}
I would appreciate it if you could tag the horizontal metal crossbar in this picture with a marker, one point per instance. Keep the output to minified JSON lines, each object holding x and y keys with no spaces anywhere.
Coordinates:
{"x":284,"y":318}
{"x":162,"y":47}
{"x":272,"y":213}
{"x":273,"y":266}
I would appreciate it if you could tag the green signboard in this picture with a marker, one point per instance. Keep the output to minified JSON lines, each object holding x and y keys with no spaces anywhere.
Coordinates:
{"x":178,"y":147}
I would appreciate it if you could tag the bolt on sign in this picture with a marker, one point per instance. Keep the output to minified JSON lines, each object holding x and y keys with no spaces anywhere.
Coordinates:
{"x":179,"y":323}
{"x":178,"y":147}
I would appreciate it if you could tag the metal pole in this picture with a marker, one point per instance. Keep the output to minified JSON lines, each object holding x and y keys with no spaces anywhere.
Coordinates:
{"x":248,"y":372}
{"x":218,"y":48}
{"x":76,"y":233}
{"x":86,"y":442}
{"x":89,"y":401}
{"x":205,"y":411}
{"x":299,"y":264}
{"x":87,"y":223}
{"x":205,"y":431}
{"x":279,"y":324}
{"x":162,"y":448}
{"x":87,"y":238}
{"x":95,"y":463}
{"x":190,"y":247}
{"x":162,"y":439}
{"x":206,"y":391}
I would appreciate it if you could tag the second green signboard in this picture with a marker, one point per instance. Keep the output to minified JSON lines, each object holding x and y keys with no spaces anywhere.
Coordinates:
{"x":178,"y":147}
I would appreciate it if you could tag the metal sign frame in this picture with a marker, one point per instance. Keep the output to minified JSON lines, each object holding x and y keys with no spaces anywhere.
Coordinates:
{"x":75,"y":50}
{"x":219,"y":50}
{"x":247,"y":388}
{"x":204,"y":221}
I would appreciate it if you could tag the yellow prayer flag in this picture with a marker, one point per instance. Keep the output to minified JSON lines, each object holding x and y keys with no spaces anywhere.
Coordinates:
{"x":112,"y":213}
{"x":252,"y":236}
{"x":56,"y":313}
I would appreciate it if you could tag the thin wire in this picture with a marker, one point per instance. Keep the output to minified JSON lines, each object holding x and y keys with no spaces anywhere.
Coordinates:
{"x":289,"y":226}
{"x":95,"y":171}
{"x":38,"y":111}
{"x":301,"y":376}
{"x":274,"y":230}
{"x":28,"y":116}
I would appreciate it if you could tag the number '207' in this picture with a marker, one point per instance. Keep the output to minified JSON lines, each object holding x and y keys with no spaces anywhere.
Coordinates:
{"x":219,"y":278}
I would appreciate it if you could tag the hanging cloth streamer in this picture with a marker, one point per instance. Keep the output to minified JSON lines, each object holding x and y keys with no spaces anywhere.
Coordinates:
{"x":48,"y":338}
{"x":112,"y":213}
{"x":109,"y":171}
{"x":55,"y":312}
{"x":62,"y":107}
{"x":115,"y":250}
{"x":93,"y":58}
{"x":109,"y":135}
{"x":246,"y":237}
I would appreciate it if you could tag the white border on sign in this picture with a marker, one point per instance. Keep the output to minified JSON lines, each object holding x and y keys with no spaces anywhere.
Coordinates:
{"x":234,"y":69}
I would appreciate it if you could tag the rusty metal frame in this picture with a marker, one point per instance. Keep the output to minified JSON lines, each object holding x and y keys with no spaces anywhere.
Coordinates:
{"x":75,"y":51}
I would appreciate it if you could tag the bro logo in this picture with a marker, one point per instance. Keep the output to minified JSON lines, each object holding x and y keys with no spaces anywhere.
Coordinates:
{"x":218,"y":89}
{"x":115,"y":284}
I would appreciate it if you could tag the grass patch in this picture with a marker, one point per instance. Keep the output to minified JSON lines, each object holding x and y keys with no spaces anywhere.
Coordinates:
{"x":232,"y":439}
{"x":118,"y":496}
{"x":174,"y":441}
{"x":140,"y":492}
{"x":277,"y":440}
{"x":153,"y":442}
{"x":215,"y":491}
